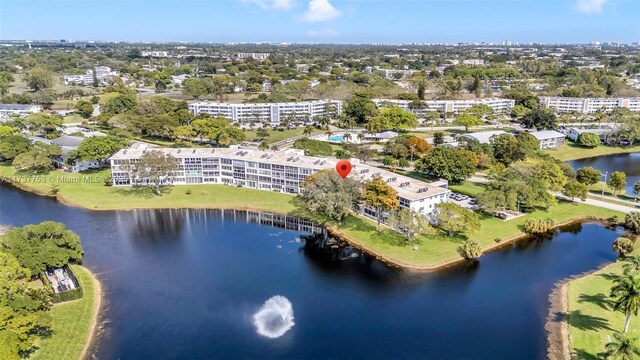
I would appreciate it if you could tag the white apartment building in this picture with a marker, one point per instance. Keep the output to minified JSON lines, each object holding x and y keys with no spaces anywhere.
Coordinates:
{"x":19,"y":109}
{"x":256,"y":56}
{"x":499,"y":106}
{"x":588,"y":105}
{"x":102,"y":72}
{"x":549,"y":138}
{"x":272,"y":112}
{"x":158,"y":54}
{"x":281,"y":171}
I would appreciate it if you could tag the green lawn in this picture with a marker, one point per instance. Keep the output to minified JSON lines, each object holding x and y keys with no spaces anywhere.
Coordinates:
{"x":72,"y":118}
{"x":591,"y":320}
{"x":570,"y":151}
{"x":88,"y":190}
{"x":71,"y":323}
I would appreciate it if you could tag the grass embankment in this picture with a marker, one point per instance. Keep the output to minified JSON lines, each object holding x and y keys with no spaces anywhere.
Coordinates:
{"x":591,"y":319}
{"x":431,"y":252}
{"x":73,"y":322}
{"x":571,"y":151}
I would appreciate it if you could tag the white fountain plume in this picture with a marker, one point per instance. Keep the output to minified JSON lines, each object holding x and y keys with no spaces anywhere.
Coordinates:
{"x":274,"y":318}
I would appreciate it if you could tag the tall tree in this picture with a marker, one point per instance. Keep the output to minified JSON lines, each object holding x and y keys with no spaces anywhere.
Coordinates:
{"x":467,"y":120}
{"x":626,"y":294}
{"x":540,"y":119}
{"x":381,"y":197}
{"x":194,"y":87}
{"x":588,"y":175}
{"x":454,"y":219}
{"x":449,"y":163}
{"x":396,"y":118}
{"x":38,"y":247}
{"x":98,"y":147}
{"x":154,"y":167}
{"x":410,"y":224}
{"x":327,"y":194}
{"x":617,"y":181}
{"x":39,"y":78}
{"x":622,"y":347}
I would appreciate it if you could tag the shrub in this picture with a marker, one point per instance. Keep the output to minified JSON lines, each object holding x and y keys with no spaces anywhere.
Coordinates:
{"x":538,"y":226}
{"x":188,"y":192}
{"x":632,"y":222}
{"x":589,"y":139}
{"x":313,"y":147}
{"x":470,"y":250}
{"x":623,"y":245}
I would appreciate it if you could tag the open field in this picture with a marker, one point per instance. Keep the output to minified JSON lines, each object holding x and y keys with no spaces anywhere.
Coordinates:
{"x":89,"y":191}
{"x":591,"y":319}
{"x":570,"y":151}
{"x":72,"y":322}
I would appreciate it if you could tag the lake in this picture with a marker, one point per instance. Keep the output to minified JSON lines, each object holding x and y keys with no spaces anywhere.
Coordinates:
{"x":187,"y":284}
{"x":628,"y":163}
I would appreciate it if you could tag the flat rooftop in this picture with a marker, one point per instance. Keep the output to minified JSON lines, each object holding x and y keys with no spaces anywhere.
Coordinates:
{"x":407,"y":187}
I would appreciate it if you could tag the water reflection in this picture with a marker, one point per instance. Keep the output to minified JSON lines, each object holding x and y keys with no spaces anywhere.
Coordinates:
{"x":628,"y":163}
{"x":193,"y":294}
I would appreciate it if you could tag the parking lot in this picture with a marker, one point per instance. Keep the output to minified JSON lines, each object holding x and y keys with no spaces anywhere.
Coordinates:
{"x":463,"y":200}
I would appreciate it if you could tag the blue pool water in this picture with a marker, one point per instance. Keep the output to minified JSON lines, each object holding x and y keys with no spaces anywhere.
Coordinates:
{"x":337,"y":138}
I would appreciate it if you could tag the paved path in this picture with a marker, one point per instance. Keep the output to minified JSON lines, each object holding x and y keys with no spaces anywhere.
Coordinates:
{"x":603,"y":204}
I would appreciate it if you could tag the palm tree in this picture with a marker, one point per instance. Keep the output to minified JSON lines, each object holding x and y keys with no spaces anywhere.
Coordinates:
{"x":626,"y":291}
{"x":360,"y":136}
{"x":348,"y":136}
{"x":622,"y":347}
{"x":308,"y":130}
{"x":631,"y":265}
{"x":263,"y":146}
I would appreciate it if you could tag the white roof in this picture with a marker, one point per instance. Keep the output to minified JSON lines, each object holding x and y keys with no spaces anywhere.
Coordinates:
{"x":483,"y":136}
{"x":547,"y":134}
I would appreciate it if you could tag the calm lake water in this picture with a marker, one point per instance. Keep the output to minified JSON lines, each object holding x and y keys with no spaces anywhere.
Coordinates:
{"x":629,"y":163}
{"x":186,"y":284}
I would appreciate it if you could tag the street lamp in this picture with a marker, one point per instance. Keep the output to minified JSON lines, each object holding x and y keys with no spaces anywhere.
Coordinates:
{"x":604,"y":184}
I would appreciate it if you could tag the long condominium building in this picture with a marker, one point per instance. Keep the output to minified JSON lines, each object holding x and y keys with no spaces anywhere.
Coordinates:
{"x":101,"y":73}
{"x":272,"y":112}
{"x":499,"y":106}
{"x":281,"y":171}
{"x":588,"y":105}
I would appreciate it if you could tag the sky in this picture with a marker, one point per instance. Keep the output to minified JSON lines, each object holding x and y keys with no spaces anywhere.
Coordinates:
{"x":323,"y":21}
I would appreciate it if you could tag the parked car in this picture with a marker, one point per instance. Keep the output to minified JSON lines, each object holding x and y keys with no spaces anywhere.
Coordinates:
{"x":472,"y":201}
{"x":464,"y":197}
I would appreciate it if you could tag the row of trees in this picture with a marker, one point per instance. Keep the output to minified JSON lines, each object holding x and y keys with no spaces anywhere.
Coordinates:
{"x":327,"y":194}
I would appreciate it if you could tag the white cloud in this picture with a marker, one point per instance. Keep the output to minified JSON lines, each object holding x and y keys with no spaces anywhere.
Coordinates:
{"x":272,"y":4}
{"x":320,"y":10}
{"x":590,"y":6}
{"x":323,"y":33}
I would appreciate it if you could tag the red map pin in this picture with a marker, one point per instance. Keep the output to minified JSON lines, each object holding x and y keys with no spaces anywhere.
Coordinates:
{"x":343,"y":167}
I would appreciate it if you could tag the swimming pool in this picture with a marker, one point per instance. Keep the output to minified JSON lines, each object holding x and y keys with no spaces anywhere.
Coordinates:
{"x":336,"y":138}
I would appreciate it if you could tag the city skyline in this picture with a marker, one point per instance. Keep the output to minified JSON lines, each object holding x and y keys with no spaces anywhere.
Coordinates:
{"x":325,"y":21}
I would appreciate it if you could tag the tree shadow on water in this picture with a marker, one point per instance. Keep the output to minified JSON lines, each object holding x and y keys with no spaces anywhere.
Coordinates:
{"x":587,"y":322}
{"x":600,"y":300}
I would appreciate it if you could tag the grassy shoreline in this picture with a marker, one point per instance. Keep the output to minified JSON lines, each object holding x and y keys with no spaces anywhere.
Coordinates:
{"x":74,"y":322}
{"x":424,"y":253}
{"x":590,"y":317}
{"x":571,"y":151}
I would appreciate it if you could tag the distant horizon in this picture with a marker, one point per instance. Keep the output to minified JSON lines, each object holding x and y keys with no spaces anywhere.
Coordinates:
{"x":324,"y":21}
{"x":285,"y":43}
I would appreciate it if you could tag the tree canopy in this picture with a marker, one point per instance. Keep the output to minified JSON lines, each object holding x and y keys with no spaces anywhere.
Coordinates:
{"x":48,"y":244}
